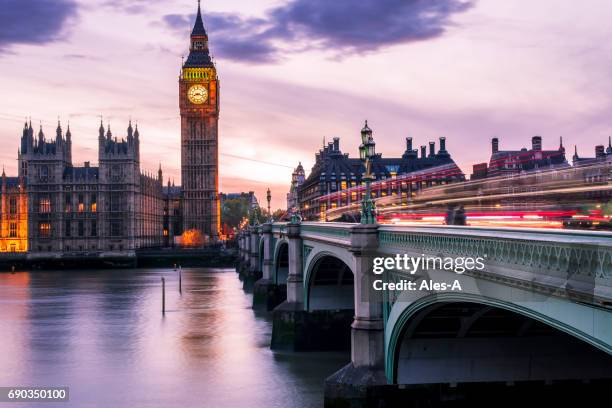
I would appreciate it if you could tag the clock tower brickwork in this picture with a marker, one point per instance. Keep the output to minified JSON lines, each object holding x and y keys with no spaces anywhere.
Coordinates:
{"x":199,"y":108}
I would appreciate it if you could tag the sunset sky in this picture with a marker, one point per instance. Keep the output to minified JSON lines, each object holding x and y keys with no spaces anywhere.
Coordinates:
{"x":296,"y":71}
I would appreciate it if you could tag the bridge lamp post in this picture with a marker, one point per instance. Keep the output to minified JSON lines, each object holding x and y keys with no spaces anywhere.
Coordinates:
{"x":367,"y":151}
{"x":269,"y":198}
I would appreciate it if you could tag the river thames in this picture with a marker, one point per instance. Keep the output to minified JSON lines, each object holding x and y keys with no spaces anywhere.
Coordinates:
{"x":102,"y":334}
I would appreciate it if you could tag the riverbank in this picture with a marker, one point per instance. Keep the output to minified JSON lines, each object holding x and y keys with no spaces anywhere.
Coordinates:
{"x":213,"y":257}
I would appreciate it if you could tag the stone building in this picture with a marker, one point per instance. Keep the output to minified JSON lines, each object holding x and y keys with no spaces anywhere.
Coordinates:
{"x":504,"y":162}
{"x":297,"y":178}
{"x":199,"y":103}
{"x":602,"y":154}
{"x":111,"y":208}
{"x":335,"y":178}
{"x":13,"y":216}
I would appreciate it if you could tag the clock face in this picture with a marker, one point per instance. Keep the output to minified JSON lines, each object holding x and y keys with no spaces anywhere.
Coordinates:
{"x":197,"y":94}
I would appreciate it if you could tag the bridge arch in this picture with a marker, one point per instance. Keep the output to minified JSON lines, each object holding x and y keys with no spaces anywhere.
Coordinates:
{"x":280,"y":271}
{"x":328,"y":282}
{"x":406,"y":319}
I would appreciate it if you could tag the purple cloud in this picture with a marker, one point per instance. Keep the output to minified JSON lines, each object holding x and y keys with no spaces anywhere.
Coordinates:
{"x":34,"y":21}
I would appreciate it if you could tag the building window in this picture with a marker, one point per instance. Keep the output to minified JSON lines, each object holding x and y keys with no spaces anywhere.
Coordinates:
{"x":116,"y":228}
{"x":68,"y":228}
{"x":44,"y":230}
{"x":81,"y":206}
{"x":13,"y":205}
{"x":81,"y":228}
{"x":68,"y":203}
{"x":94,"y":228}
{"x":44,"y":206}
{"x":115,"y":202}
{"x":13,"y":230}
{"x":94,"y":203}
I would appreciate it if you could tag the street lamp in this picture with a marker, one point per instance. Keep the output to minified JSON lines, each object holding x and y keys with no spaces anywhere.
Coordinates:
{"x":367,"y":151}
{"x":269,"y":198}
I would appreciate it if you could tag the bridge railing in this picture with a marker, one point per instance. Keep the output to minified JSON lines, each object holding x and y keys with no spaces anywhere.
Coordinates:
{"x":336,"y":232}
{"x":576,"y":263}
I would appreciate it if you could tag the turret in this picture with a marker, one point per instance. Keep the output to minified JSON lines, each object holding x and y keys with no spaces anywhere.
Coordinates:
{"x":494,"y":145}
{"x":432,"y":149}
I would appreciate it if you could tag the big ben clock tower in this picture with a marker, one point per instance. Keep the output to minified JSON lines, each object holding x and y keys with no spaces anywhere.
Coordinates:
{"x":199,"y":106}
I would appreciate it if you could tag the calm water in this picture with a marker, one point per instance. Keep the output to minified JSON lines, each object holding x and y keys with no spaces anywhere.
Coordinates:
{"x":102,"y":334}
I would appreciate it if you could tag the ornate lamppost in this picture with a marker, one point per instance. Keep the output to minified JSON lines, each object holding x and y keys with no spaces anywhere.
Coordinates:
{"x":269,"y":198}
{"x":367,"y":151}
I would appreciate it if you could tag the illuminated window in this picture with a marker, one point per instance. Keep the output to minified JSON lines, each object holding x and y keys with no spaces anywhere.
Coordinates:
{"x":13,"y":230}
{"x":94,"y":203}
{"x":44,"y":206}
{"x":165,"y":232}
{"x":81,"y":206}
{"x":343,"y":185}
{"x":44,"y":230}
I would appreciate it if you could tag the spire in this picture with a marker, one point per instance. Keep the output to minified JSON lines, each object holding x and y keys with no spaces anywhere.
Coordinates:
{"x":109,"y":134}
{"x":58,"y":132}
{"x":68,"y":134}
{"x":130,"y":130}
{"x":198,"y":27}
{"x":575,"y":153}
{"x":136,"y":133}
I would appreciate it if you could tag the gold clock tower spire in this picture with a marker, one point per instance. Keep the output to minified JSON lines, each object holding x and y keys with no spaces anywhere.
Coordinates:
{"x":199,"y":107}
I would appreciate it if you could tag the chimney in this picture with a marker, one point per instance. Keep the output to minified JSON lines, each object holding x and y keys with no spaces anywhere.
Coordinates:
{"x":336,"y":143}
{"x":432,"y":149}
{"x":423,"y":152}
{"x":409,"y":144}
{"x":86,"y":164}
{"x":600,"y":151}
{"x":495,"y":145}
{"x":536,"y":143}
{"x":442,"y":144}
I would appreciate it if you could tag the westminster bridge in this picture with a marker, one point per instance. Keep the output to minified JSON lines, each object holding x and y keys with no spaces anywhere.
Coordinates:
{"x":539,"y":311}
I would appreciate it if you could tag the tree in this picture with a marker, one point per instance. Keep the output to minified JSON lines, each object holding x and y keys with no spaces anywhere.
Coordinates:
{"x":234,"y":211}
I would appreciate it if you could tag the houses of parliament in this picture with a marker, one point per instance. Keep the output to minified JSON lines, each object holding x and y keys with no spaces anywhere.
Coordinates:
{"x":54,"y":207}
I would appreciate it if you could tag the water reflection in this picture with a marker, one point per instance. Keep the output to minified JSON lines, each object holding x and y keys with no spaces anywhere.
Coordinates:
{"x":102,"y":333}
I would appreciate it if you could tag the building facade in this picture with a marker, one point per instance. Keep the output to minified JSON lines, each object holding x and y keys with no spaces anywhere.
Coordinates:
{"x":602,"y":154}
{"x":111,"y":208}
{"x":199,"y":107}
{"x":507,"y":162}
{"x":14,"y":215}
{"x":336,"y":179}
{"x":297,"y":178}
